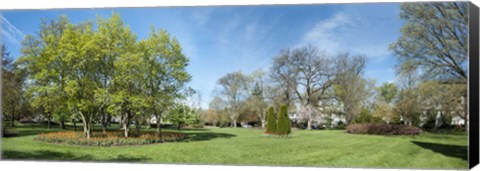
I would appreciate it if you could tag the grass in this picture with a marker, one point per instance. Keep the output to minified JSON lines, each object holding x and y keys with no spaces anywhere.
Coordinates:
{"x":249,"y":146}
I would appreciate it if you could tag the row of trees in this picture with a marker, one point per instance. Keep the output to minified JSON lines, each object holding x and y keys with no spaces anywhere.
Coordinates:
{"x":431,"y":78}
{"x":96,"y":70}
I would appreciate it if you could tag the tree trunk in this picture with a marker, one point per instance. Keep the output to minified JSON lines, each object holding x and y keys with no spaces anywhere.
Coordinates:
{"x":465,"y":112}
{"x":149,"y":123}
{"x":62,"y":124}
{"x":126,"y":125}
{"x":159,"y":127}
{"x":234,"y":124}
{"x":49,"y":120}
{"x":309,"y":124}
{"x":13,"y":119}
{"x":179,"y":126}
{"x":104,"y":123}
{"x":74,"y":125}
{"x":263,"y":123}
{"x":120,"y":124}
{"x":86,"y":129}
{"x":137,"y":127}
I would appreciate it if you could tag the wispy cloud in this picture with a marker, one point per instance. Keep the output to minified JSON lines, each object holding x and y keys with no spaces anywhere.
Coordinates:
{"x":324,"y":34}
{"x":346,"y":32}
{"x":201,"y":16}
{"x":11,"y":32}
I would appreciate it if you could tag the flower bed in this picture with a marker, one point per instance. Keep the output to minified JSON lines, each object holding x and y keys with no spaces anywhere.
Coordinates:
{"x":107,"y":139}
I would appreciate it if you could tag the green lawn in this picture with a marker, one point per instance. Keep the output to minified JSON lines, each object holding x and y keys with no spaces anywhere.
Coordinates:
{"x":248,"y":146}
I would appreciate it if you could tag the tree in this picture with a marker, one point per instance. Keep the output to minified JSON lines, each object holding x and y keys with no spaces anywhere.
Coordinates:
{"x":307,"y":72}
{"x":43,"y":63}
{"x":165,"y":72}
{"x":271,"y":121}
{"x":434,"y":38}
{"x":407,"y":106}
{"x":445,"y":100}
{"x":283,"y":125}
{"x":233,"y":88}
{"x":220,"y":114}
{"x":12,"y":83}
{"x":387,"y":92}
{"x":350,"y":88}
{"x":384,"y":107}
{"x":182,"y":115}
{"x":257,"y":100}
{"x":285,"y":76}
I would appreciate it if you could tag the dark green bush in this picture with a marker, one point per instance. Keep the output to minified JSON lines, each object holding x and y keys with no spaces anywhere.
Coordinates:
{"x":283,"y":124}
{"x":271,"y":122}
{"x":340,"y":125}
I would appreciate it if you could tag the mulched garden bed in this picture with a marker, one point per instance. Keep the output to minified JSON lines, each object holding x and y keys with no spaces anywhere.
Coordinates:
{"x":107,"y":139}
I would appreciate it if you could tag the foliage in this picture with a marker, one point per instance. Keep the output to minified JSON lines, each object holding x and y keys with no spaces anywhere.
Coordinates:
{"x":435,"y":39}
{"x":91,"y":70}
{"x":408,"y":106}
{"x":383,"y":129}
{"x":181,"y":115}
{"x":366,"y":117}
{"x":283,"y":123}
{"x":387,"y":92}
{"x":271,"y":121}
{"x":106,"y":139}
{"x":13,"y":100}
{"x":349,"y":87}
{"x":385,"y":111}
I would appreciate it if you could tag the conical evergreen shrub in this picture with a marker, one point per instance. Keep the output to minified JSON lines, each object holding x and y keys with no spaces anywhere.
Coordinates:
{"x":271,"y":122}
{"x":283,"y":123}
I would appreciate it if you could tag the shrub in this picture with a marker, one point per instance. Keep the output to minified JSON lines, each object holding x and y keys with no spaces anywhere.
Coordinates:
{"x":340,"y":125}
{"x":108,"y":139}
{"x":271,"y":122}
{"x":283,"y":125}
{"x":383,"y":129}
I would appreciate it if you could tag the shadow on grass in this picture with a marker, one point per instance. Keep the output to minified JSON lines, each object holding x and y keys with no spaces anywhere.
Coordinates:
{"x":205,"y":136}
{"x":43,"y":155}
{"x":446,"y":150}
{"x":123,"y":158}
{"x":63,"y":156}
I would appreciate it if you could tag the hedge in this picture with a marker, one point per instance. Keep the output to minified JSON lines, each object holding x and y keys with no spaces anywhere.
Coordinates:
{"x":383,"y":129}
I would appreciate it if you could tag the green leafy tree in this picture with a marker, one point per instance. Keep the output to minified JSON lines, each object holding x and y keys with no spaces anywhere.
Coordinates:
{"x":387,"y":92}
{"x":384,"y":104}
{"x":12,"y":93}
{"x":43,"y":63}
{"x":283,"y":123}
{"x":165,"y":74}
{"x":271,"y":121}
{"x":182,"y":115}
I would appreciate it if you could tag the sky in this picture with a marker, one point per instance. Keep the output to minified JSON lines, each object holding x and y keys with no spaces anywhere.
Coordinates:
{"x":223,"y":39}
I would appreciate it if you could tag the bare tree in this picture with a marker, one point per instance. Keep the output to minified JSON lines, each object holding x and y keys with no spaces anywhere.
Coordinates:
{"x":308,"y":73}
{"x":350,"y":88}
{"x":233,"y":88}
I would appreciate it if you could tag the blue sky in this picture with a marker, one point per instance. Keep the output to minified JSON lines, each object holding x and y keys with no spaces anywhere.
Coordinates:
{"x":223,"y":39}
